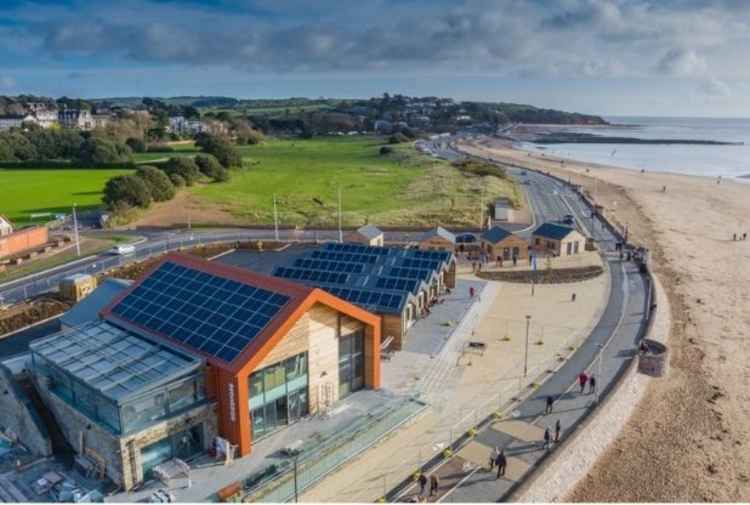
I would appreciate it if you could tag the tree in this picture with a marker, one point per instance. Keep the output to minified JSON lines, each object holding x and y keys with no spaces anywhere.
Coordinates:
{"x":137,"y":145}
{"x":127,"y":189}
{"x":209,"y":165}
{"x":23,"y":149}
{"x":222,"y":150}
{"x":177,"y":180}
{"x":96,"y":151}
{"x":397,"y":138}
{"x":159,"y":185}
{"x":184,"y":167}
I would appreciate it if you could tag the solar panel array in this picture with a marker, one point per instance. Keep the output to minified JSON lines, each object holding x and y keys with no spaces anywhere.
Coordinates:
{"x":217,"y":316}
{"x":379,"y":273}
{"x":332,"y":266}
{"x":311,"y":275}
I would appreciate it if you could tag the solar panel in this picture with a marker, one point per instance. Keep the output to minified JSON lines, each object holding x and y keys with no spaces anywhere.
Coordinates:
{"x":409,"y":273}
{"x":313,"y":276}
{"x":209,"y":313}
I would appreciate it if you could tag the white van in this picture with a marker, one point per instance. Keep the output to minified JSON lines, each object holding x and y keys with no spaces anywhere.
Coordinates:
{"x":123,"y":249}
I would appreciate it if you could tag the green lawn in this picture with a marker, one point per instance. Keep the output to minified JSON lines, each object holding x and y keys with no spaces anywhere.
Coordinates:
{"x":28,"y":191}
{"x":403,"y":188}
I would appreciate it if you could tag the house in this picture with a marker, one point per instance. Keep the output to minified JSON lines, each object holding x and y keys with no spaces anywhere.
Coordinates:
{"x":501,"y":245}
{"x":80,"y":119}
{"x":394,"y":283}
{"x":101,"y":120}
{"x":44,"y":116}
{"x":438,"y":239}
{"x":558,"y":240}
{"x":6,"y":228}
{"x":366,"y":235}
{"x":15,"y":120}
{"x":383,"y":126}
{"x":197,"y":355}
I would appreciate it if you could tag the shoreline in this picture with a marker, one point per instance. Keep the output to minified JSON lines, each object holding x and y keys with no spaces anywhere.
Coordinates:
{"x":685,"y":440}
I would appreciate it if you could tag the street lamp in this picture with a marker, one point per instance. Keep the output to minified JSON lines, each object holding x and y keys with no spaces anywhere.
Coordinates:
{"x":526,"y":353}
{"x":599,"y":371}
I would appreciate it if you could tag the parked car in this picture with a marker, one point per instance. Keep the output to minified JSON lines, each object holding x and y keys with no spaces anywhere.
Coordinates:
{"x":123,"y":249}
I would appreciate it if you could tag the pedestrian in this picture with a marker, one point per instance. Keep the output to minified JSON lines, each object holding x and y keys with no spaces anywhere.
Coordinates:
{"x":573,"y":297}
{"x":546,"y":438}
{"x":434,"y":483}
{"x":515,"y":260}
{"x":734,"y":237}
{"x":422,"y":483}
{"x":471,"y":291}
{"x":592,"y":384}
{"x":501,"y":461}
{"x":744,"y":236}
{"x":582,"y":379}
{"x":557,"y":431}
{"x":548,"y":408}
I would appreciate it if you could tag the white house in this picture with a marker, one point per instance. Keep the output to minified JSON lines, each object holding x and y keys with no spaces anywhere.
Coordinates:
{"x":76,"y":118}
{"x":15,"y":120}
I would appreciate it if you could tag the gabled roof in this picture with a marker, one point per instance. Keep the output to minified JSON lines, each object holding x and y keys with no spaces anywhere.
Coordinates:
{"x":290,"y":300}
{"x":553,"y":231}
{"x":496,"y":234}
{"x":369,"y":231}
{"x":440,"y":232}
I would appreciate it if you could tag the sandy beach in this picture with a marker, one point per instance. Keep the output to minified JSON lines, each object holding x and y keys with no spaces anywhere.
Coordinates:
{"x":687,"y":440}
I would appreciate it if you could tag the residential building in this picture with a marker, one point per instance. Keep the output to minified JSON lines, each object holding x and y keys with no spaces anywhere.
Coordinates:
{"x":76,"y":118}
{"x":438,"y":239}
{"x":367,"y":235}
{"x":501,"y":245}
{"x":557,"y":240}
{"x":101,"y":120}
{"x":197,"y":355}
{"x":6,"y":228}
{"x":44,"y":115}
{"x":15,"y":120}
{"x":504,"y":211}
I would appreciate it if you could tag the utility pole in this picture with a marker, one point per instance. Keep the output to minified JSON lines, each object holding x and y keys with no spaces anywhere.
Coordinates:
{"x":341,"y":234}
{"x":75,"y":231}
{"x":526,"y":353}
{"x":275,"y":219}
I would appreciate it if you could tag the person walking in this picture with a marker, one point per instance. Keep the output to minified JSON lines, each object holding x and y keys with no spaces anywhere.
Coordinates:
{"x":557,"y":431}
{"x":582,"y":379}
{"x":471,"y":291}
{"x":548,"y":408}
{"x":744,"y":236}
{"x":546,"y":438}
{"x":422,"y":483}
{"x":434,"y":484}
{"x":734,"y":237}
{"x":592,"y":384}
{"x":501,"y":461}
{"x":573,"y":297}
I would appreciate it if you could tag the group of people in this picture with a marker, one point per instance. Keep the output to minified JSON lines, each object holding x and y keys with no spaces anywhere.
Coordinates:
{"x":497,"y":458}
{"x":583,"y":379}
{"x":737,"y":237}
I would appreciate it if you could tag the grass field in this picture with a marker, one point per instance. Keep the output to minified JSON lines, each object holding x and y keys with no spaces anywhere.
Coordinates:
{"x":28,"y":191}
{"x":403,"y":188}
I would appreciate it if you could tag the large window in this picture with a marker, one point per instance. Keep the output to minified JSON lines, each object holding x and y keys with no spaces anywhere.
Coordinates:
{"x":278,"y":395}
{"x":351,"y":363}
{"x":182,"y":445}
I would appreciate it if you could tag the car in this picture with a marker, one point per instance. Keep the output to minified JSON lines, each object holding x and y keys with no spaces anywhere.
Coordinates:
{"x":568,"y":219}
{"x":123,"y":249}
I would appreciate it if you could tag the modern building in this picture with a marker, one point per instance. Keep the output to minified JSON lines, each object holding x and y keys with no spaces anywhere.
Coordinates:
{"x":196,"y":355}
{"x":557,"y":240}
{"x":501,"y":245}
{"x":76,"y":118}
{"x":394,"y":283}
{"x":438,"y":239}
{"x":366,"y":235}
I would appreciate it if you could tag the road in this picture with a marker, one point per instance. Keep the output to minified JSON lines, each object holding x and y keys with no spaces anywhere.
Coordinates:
{"x":605,"y":353}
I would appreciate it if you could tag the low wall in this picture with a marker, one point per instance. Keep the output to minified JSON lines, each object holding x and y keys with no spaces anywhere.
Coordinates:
{"x":24,"y":239}
{"x":568,"y":465}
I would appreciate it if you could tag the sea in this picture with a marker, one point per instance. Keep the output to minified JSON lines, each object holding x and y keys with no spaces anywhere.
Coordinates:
{"x":705,"y":160}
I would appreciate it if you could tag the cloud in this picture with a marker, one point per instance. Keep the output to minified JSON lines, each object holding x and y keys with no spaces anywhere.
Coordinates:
{"x":682,"y":62}
{"x":715,"y":88}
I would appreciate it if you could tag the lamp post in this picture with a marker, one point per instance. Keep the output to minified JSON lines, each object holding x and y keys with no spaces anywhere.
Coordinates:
{"x":75,"y":230}
{"x":599,"y":371}
{"x":526,"y":353}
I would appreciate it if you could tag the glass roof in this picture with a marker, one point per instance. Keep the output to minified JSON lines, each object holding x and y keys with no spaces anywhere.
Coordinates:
{"x":113,"y":361}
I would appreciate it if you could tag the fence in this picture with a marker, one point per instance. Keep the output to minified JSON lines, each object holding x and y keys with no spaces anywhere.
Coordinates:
{"x":287,"y":480}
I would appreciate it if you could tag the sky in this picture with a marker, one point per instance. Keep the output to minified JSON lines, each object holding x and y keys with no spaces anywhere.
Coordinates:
{"x":608,"y":57}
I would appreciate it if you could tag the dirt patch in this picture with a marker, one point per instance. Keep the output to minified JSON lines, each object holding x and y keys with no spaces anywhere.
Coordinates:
{"x":554,"y":276}
{"x":38,"y":309}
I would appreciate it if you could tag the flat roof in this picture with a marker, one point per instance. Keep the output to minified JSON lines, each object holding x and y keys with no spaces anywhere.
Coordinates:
{"x":378,"y":279}
{"x":117,"y":363}
{"x":88,"y":309}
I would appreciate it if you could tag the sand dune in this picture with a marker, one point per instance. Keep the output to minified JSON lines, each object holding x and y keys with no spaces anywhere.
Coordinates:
{"x":687,"y":440}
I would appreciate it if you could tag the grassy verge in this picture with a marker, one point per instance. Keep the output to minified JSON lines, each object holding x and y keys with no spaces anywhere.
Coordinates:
{"x":401,"y":188}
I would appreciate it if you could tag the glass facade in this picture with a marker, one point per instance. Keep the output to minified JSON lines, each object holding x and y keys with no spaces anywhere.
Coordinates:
{"x":351,"y":363}
{"x":278,"y":395}
{"x":182,"y":445}
{"x":130,"y":415}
